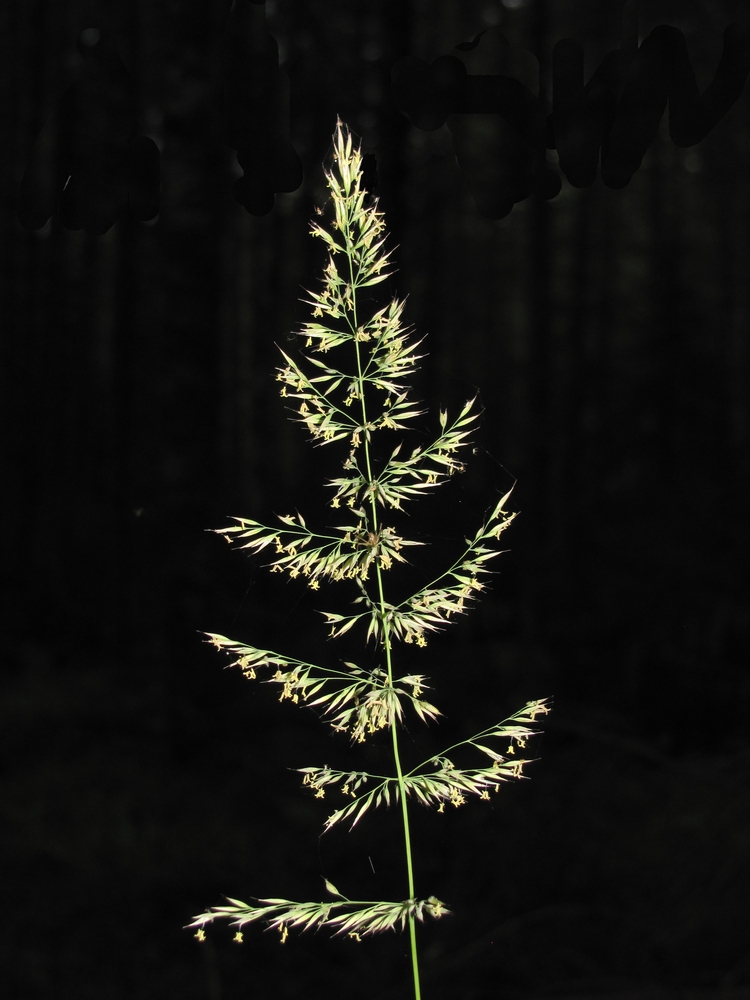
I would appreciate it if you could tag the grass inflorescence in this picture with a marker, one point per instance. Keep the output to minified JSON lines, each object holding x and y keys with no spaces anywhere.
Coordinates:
{"x":352,"y":388}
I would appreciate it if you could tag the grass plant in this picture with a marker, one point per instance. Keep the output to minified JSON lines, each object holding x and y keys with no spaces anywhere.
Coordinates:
{"x":352,"y":389}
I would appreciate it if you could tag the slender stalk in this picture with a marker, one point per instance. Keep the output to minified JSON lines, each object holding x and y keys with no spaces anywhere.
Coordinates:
{"x":387,"y":644}
{"x":405,"y":816}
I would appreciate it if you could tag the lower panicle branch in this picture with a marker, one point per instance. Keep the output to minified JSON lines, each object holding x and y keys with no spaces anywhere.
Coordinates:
{"x":357,"y":918}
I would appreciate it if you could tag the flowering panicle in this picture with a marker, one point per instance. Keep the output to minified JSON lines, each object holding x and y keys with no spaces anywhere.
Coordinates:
{"x":443,"y":782}
{"x":358,"y":701}
{"x":347,"y":557}
{"x":430,"y":609}
{"x":364,"y":393}
{"x":368,"y":917}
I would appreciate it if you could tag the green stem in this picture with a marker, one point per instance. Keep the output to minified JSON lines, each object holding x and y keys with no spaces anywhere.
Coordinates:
{"x":404,"y":807}
{"x":387,"y":644}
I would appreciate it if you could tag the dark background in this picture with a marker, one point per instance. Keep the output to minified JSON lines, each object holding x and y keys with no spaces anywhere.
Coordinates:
{"x":607,"y":333}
